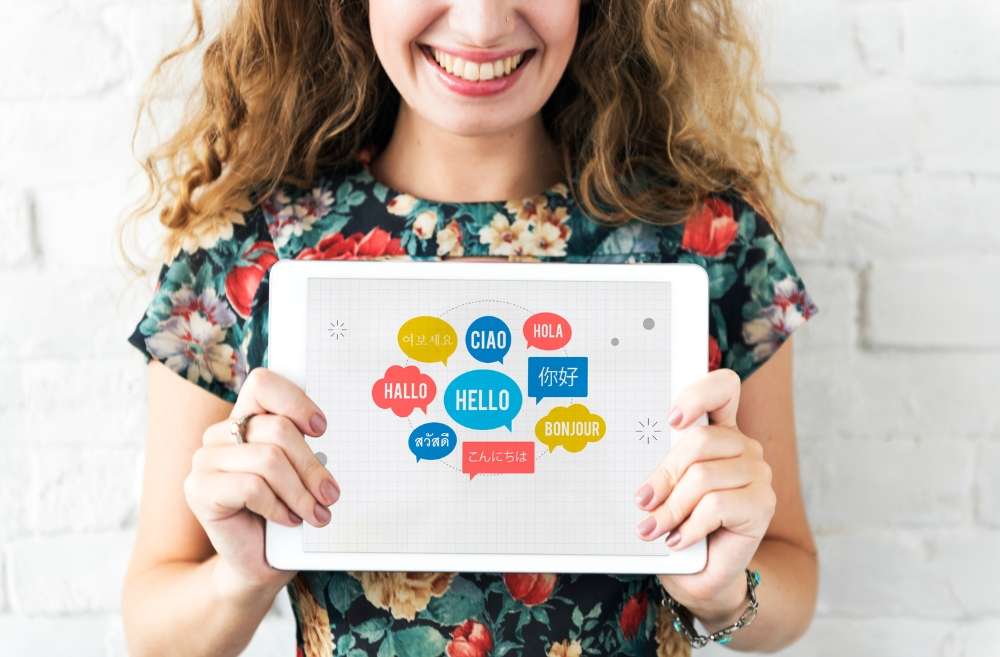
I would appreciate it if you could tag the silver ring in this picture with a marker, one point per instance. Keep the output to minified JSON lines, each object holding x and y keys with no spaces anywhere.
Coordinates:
{"x":238,"y":428}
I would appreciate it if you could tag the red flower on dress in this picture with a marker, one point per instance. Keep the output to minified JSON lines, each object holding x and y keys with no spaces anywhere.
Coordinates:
{"x":470,"y":639}
{"x":632,"y":614}
{"x":710,"y":231}
{"x":714,"y":354}
{"x":376,"y":242}
{"x":530,"y":588}
{"x":242,"y":282}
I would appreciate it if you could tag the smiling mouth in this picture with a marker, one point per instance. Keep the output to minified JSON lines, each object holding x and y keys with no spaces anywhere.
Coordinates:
{"x":476,"y":71}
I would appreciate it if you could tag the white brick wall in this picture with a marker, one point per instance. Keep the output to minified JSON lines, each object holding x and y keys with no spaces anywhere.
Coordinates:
{"x":893,"y":107}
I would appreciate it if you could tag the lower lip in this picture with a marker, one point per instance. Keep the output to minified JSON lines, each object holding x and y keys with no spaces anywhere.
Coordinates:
{"x":480,"y":87}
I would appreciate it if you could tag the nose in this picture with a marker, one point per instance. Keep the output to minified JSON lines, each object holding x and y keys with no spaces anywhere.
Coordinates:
{"x":483,"y":23}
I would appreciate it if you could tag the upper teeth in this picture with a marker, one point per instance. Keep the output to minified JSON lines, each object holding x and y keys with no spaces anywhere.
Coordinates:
{"x":475,"y":71}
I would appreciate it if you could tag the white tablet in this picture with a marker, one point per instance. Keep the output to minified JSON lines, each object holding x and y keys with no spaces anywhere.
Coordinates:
{"x":487,"y":416}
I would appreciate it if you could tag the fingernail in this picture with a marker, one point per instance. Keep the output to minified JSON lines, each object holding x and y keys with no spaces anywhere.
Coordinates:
{"x":322,"y":514}
{"x":646,"y":526}
{"x":317,"y":423}
{"x":644,"y":495}
{"x":294,"y":518}
{"x":674,"y":539}
{"x":675,"y":417}
{"x":330,"y":491}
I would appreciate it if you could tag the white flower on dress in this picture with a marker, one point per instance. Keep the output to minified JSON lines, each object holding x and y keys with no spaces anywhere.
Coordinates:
{"x":449,"y":240}
{"x":505,"y":238}
{"x":192,"y":341}
{"x":549,"y":240}
{"x":196,"y":345}
{"x":425,"y":224}
{"x":291,"y":219}
{"x":789,"y":307}
{"x":401,"y":204}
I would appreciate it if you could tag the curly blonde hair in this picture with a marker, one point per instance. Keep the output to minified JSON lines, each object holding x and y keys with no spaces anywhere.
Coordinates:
{"x":289,"y":89}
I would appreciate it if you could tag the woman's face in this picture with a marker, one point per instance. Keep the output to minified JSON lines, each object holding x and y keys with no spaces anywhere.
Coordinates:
{"x":477,"y":88}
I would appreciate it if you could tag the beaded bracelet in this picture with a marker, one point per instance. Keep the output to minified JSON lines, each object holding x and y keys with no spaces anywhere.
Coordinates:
{"x":684,"y":619}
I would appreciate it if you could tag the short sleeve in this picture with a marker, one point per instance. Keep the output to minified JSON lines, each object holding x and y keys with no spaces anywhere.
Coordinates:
{"x":207,"y":320}
{"x":757,"y":298}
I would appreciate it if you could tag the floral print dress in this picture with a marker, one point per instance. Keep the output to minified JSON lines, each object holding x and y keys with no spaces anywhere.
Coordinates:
{"x":207,"y":322}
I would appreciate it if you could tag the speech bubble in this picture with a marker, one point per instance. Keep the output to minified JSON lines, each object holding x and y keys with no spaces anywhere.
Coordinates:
{"x":488,"y":339}
{"x":432,"y":441}
{"x":498,"y":457}
{"x":547,"y":331}
{"x":557,"y":376}
{"x":483,"y":399}
{"x":573,"y":427}
{"x":402,"y":389}
{"x":427,"y":339}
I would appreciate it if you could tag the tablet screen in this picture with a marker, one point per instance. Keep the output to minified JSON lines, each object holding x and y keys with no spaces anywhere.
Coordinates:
{"x":488,"y":417}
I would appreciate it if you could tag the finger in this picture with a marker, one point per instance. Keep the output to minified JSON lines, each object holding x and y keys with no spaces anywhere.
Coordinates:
{"x":746,"y":510}
{"x":697,"y":443}
{"x":699,"y":479}
{"x":281,"y":431}
{"x":717,"y":393}
{"x":216,"y":495}
{"x":265,"y":391}
{"x":269,"y":462}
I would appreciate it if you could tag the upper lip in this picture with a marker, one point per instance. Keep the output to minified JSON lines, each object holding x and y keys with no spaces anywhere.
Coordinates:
{"x":479,"y":56}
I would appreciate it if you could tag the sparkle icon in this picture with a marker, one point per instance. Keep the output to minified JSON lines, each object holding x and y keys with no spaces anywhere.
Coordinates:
{"x":337,"y":329}
{"x":648,"y":430}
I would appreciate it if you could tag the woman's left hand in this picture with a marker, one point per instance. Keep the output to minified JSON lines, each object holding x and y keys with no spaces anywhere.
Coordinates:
{"x":714,"y":482}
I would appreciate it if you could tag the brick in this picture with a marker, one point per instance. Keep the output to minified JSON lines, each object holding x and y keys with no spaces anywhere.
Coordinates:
{"x":907,"y":215}
{"x":934,"y":395}
{"x":68,"y":574}
{"x":959,"y":129}
{"x":805,"y":44}
{"x":885,"y":637}
{"x":274,"y":636}
{"x":96,"y":401}
{"x":145,"y":47}
{"x":865,"y":129}
{"x":68,"y":312}
{"x":77,"y":226}
{"x":90,"y":136}
{"x":16,"y":487}
{"x":835,"y":290}
{"x":17,"y":227}
{"x":56,"y":51}
{"x":80,"y":637}
{"x":933,"y":303}
{"x":988,"y":485}
{"x":953,"y":42}
{"x":937,"y":574}
{"x":854,"y":482}
{"x":878,"y":33}
{"x":84,"y":490}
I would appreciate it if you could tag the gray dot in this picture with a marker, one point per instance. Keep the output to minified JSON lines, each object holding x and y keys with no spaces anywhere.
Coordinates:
{"x":614,"y":342}
{"x":321,"y":457}
{"x":648,"y":323}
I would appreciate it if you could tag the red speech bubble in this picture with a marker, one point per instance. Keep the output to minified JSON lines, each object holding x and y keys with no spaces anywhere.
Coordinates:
{"x":402,"y":389}
{"x":547,"y":331}
{"x":498,"y":457}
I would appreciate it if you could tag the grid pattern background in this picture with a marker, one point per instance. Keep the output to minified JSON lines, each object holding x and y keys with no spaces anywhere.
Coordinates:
{"x":574,"y":503}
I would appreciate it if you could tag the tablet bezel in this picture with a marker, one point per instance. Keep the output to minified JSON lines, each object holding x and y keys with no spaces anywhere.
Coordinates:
{"x":287,"y":356}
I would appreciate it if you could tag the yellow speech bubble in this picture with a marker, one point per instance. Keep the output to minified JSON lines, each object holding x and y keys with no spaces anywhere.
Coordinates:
{"x":572,"y":426}
{"x":427,"y":339}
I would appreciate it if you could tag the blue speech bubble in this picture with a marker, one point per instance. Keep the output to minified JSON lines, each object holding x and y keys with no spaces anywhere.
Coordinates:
{"x":557,"y":376}
{"x":488,"y":339}
{"x":432,"y":441}
{"x":483,"y":399}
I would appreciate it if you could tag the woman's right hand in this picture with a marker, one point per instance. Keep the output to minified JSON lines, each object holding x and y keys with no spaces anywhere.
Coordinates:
{"x":232,"y":487}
